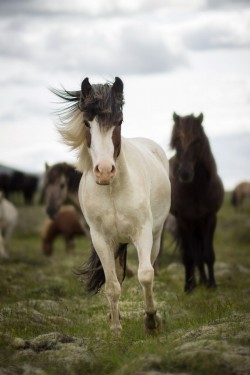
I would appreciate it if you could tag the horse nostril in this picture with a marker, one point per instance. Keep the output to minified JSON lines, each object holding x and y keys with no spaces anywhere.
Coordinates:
{"x":98,"y":170}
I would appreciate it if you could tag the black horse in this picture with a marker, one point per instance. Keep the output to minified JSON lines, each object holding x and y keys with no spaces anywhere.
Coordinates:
{"x":15,"y":181}
{"x":197,"y":195}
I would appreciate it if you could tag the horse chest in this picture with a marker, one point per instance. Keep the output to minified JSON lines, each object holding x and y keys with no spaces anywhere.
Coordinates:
{"x":113,"y":214}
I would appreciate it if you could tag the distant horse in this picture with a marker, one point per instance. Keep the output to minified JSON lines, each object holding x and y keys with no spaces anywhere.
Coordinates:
{"x":19,"y":182}
{"x":240,"y":193}
{"x":197,"y":195}
{"x":8,"y":220}
{"x":65,"y":224}
{"x":124,"y":192}
{"x":61,"y":184}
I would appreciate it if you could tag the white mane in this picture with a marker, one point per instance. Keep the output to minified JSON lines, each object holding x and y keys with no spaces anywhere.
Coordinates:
{"x":73,"y":133}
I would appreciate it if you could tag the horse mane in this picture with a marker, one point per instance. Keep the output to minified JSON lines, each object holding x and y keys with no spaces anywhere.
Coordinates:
{"x":99,"y":102}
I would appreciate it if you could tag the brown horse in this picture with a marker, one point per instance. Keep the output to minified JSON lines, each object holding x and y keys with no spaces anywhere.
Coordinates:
{"x":66,"y":224}
{"x":240,"y":193}
{"x":197,"y":195}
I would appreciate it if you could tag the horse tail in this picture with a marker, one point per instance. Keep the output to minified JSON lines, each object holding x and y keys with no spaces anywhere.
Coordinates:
{"x":92,"y":272}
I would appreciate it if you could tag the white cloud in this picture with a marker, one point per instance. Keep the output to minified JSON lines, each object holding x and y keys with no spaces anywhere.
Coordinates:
{"x":218,"y":30}
{"x":171,"y":56}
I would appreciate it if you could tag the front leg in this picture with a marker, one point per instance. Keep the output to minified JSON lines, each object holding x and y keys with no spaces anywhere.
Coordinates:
{"x":209,"y":255}
{"x":144,"y":245}
{"x":106,"y":253}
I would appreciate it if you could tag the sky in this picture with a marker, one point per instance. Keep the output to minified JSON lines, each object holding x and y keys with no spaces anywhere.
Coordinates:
{"x":172,"y":55}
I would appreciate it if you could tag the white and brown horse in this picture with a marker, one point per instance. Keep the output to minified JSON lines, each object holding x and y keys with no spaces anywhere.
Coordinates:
{"x":124,"y":192}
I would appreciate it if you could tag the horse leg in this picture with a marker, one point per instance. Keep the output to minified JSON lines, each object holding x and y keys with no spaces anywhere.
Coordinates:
{"x":203,"y":276}
{"x":185,"y":235}
{"x":209,"y":255}
{"x":144,"y":246}
{"x":200,"y":253}
{"x":112,"y":285}
{"x":158,"y":250}
{"x":3,"y":253}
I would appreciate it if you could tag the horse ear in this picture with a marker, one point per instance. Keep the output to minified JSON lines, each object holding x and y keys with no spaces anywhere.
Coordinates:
{"x":200,"y":117}
{"x":175,"y":117}
{"x":86,"y":87}
{"x":117,"y":87}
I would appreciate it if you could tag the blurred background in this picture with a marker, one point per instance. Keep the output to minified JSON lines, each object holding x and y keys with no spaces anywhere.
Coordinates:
{"x":171,"y":56}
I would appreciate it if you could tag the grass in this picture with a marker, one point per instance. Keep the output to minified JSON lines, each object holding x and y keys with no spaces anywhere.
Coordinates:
{"x":48,"y":325}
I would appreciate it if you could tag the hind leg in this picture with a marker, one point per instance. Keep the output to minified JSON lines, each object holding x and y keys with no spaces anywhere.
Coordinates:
{"x":190,"y":282}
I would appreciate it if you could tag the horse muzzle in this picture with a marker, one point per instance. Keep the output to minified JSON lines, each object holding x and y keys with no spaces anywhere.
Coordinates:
{"x":104,"y":173}
{"x":51,"y":212}
{"x":186,"y":176}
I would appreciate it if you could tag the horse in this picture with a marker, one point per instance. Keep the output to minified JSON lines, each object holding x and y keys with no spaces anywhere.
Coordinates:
{"x":15,"y":181}
{"x":61,"y":183}
{"x":124,"y":192}
{"x":8,"y":221}
{"x":65,"y":224}
{"x":240,"y":193}
{"x":197,"y":195}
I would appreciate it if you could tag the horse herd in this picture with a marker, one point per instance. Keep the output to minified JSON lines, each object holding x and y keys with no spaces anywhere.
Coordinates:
{"x":125,"y":190}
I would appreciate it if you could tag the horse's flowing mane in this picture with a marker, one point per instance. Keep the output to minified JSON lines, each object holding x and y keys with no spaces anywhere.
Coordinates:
{"x":70,"y":126}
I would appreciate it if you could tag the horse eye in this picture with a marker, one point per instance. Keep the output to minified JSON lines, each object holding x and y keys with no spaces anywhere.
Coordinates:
{"x":62,"y":185}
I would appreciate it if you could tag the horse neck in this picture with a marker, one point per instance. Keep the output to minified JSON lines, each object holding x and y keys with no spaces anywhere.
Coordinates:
{"x":122,"y":167}
{"x":207,"y":161}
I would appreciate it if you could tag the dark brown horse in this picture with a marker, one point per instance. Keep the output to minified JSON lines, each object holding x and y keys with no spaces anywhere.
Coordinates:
{"x":197,"y":195}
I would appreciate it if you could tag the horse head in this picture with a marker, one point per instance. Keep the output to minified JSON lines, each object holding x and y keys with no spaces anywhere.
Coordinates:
{"x":187,"y":140}
{"x":56,"y":187}
{"x":101,"y":106}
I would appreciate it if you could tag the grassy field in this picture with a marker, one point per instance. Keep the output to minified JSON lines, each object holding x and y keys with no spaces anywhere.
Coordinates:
{"x":48,"y":325}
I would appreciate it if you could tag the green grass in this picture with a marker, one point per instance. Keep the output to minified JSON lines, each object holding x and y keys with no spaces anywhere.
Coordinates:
{"x":48,"y":325}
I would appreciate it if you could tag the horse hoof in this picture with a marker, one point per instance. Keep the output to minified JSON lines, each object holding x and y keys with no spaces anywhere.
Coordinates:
{"x":152,"y":323}
{"x":116,"y":330}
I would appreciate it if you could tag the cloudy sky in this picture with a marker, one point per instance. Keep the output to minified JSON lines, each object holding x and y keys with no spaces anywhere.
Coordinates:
{"x":173,"y":55}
